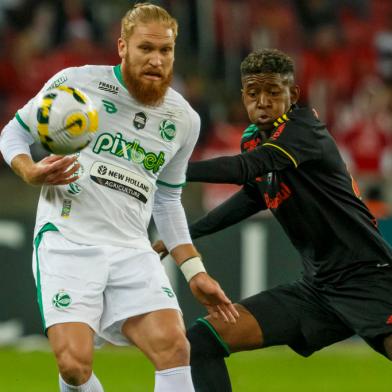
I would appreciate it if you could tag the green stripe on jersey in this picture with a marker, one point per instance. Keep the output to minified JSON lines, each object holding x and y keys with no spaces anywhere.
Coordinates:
{"x":21,"y":122}
{"x":171,"y":185}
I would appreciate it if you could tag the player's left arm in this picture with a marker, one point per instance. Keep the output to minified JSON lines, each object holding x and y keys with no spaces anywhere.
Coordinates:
{"x":291,"y":144}
{"x":170,"y":219}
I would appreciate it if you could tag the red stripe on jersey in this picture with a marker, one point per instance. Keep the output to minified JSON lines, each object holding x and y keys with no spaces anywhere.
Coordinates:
{"x":278,"y":132}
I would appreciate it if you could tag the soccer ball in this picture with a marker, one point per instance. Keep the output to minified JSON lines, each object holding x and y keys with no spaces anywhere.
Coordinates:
{"x":63,"y":120}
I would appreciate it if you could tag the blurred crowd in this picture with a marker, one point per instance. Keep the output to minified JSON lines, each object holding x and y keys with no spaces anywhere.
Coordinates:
{"x":342,"y":48}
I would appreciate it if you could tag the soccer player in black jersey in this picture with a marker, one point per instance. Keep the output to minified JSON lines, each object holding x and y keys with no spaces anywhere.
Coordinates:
{"x":291,"y":165}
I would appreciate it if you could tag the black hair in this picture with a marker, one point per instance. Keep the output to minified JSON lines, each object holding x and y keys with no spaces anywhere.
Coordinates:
{"x":267,"y":61}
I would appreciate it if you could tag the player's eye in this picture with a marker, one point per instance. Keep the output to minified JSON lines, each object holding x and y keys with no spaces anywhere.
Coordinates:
{"x":251,"y":93}
{"x":166,"y":50}
{"x":274,"y":93}
{"x":145,"y":48}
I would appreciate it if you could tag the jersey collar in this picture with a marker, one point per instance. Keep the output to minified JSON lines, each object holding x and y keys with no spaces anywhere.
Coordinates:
{"x":118,"y":74}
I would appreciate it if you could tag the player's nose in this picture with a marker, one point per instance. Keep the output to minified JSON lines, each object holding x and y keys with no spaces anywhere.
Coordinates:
{"x":263,"y":100}
{"x":155,"y":60}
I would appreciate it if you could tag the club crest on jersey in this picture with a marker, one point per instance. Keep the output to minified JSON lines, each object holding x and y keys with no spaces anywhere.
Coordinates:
{"x":167,"y":129}
{"x":61,"y":300}
{"x":139,"y":121}
{"x":74,"y":188}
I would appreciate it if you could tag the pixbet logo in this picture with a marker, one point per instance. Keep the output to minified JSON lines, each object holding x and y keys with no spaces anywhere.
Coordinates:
{"x":131,"y":151}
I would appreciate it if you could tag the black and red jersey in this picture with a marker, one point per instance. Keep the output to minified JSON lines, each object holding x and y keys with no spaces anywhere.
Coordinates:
{"x":297,"y":172}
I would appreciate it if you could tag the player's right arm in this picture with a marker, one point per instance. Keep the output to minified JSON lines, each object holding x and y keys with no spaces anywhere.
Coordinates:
{"x":15,"y":144}
{"x":15,"y":141}
{"x":51,"y":170}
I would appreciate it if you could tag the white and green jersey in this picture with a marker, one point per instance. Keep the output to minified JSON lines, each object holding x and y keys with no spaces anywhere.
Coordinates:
{"x":135,"y":149}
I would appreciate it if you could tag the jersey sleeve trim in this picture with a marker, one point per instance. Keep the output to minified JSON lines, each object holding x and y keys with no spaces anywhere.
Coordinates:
{"x":171,"y":185}
{"x":284,"y":152}
{"x":21,"y":122}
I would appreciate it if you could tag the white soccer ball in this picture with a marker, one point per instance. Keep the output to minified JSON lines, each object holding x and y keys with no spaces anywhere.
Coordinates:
{"x":63,"y":119}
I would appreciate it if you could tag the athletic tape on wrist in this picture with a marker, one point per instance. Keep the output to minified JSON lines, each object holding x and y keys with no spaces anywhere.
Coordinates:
{"x":191,"y":267}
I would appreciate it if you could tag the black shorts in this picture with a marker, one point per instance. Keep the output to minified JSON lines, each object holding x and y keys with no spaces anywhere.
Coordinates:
{"x":308,"y":317}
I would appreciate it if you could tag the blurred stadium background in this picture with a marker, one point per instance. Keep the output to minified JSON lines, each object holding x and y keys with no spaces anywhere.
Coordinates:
{"x":343,"y":51}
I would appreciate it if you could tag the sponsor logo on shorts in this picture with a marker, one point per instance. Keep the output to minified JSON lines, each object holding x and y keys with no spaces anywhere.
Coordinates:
{"x":122,"y":180}
{"x":139,"y":121}
{"x":61,"y":300}
{"x":168,"y":291}
{"x":167,"y":129}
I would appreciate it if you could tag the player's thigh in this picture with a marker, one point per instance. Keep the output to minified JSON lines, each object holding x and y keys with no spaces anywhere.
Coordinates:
{"x":295,"y":315}
{"x":245,"y":334}
{"x":72,"y":342}
{"x":137,"y":285}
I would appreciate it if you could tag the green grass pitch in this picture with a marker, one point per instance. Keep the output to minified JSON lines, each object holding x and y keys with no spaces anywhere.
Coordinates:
{"x":349,"y":367}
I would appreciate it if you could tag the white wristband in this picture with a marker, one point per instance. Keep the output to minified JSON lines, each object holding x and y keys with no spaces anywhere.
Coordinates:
{"x":191,"y":267}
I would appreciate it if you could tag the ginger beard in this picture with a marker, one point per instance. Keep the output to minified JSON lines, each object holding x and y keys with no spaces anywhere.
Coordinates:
{"x":147,"y":92}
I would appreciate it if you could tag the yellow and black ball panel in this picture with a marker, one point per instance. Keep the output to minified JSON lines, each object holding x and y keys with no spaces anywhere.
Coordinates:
{"x":93,"y":118}
{"x":76,"y":123}
{"x":43,"y":113}
{"x":77,"y":94}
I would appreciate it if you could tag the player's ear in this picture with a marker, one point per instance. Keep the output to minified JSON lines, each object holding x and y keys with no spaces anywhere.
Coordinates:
{"x":122,"y":48}
{"x":294,"y":93}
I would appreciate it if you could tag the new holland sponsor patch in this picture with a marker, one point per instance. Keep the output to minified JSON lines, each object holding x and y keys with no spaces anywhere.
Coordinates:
{"x":122,"y":180}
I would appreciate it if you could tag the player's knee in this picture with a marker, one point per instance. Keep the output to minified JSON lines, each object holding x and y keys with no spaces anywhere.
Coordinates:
{"x":169,"y":349}
{"x":206,"y":342}
{"x":75,"y":369}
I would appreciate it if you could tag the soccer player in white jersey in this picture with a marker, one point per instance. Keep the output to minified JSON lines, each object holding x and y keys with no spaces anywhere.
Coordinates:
{"x":94,"y":267}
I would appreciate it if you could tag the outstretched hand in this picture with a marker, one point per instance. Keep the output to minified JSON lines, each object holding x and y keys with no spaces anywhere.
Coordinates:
{"x":52,"y":170}
{"x":209,"y":293}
